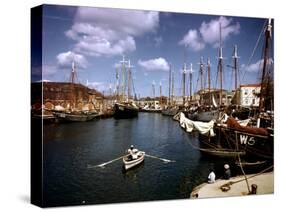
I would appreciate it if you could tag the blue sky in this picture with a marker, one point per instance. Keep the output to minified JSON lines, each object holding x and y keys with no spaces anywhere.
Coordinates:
{"x":97,"y":38}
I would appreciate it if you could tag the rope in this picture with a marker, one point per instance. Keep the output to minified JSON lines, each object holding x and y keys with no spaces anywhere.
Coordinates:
{"x":241,"y":167}
{"x":255,"y":47}
{"x":233,"y":182}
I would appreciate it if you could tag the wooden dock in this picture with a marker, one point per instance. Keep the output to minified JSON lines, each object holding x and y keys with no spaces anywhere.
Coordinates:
{"x":235,"y":186}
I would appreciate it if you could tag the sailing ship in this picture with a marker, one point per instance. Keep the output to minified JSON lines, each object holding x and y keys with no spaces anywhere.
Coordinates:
{"x":73,"y":114}
{"x":125,"y":107}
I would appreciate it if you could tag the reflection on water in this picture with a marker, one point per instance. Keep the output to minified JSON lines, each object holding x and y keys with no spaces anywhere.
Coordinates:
{"x":72,"y":150}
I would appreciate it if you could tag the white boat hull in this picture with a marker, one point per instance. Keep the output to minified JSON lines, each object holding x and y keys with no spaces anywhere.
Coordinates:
{"x":128,"y":164}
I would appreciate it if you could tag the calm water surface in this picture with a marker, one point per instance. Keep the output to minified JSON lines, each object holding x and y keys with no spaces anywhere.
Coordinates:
{"x":71,"y":150}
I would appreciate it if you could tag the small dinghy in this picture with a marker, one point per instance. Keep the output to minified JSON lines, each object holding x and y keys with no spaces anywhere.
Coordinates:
{"x":129,"y":162}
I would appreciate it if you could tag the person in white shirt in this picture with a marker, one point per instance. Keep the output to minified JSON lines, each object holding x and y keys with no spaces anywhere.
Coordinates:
{"x":133,"y":152}
{"x":211,"y":177}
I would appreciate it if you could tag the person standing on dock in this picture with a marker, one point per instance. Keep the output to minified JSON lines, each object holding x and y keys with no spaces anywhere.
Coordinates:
{"x":227,"y":172}
{"x":212,"y":176}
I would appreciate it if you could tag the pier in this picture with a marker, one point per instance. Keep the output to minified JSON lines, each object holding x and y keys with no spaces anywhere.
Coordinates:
{"x":235,"y":186}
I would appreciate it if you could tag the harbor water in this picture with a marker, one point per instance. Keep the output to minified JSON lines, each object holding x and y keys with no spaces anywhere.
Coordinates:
{"x":72,"y":150}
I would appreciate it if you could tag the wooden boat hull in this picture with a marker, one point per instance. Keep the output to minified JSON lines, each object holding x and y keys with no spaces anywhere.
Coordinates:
{"x":122,"y":111}
{"x":255,"y":146}
{"x":72,"y":117}
{"x":169,"y":112}
{"x":223,"y":153}
{"x":128,"y":164}
{"x":151,"y":110}
{"x":251,"y":164}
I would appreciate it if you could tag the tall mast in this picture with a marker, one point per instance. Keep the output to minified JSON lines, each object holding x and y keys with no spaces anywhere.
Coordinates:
{"x":73,"y":72}
{"x":184,"y":79}
{"x":173,"y":87}
{"x":153,"y":90}
{"x":220,"y":67}
{"x":117,"y":83}
{"x":129,"y":79}
{"x":170,"y":72}
{"x":160,"y":92}
{"x":201,"y":74}
{"x":190,"y":82}
{"x":110,"y":92}
{"x":235,"y":60}
{"x":123,"y":77}
{"x":209,"y":80}
{"x":201,"y":79}
{"x":265,"y":60}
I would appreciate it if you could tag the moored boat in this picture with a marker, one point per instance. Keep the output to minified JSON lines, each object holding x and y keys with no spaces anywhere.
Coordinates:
{"x":130,"y":163}
{"x":76,"y":116}
{"x":125,"y":110}
{"x":170,"y":111}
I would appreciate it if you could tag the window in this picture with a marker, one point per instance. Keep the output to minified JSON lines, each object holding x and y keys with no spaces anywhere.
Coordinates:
{"x":254,"y":101}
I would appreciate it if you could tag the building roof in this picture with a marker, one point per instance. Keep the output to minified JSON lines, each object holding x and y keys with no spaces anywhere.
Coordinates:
{"x":251,"y":85}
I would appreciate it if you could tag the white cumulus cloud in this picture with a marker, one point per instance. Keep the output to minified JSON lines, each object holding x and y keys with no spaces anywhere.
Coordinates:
{"x":255,"y":67}
{"x":159,"y":64}
{"x":209,"y":33}
{"x":193,"y":40}
{"x":109,"y":32}
{"x":65,"y":59}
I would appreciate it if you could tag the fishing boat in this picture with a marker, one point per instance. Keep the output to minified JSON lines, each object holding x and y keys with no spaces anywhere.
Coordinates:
{"x":170,"y":111}
{"x":125,"y":110}
{"x":130,"y":163}
{"x":255,"y":142}
{"x":125,"y":107}
{"x":76,"y":116}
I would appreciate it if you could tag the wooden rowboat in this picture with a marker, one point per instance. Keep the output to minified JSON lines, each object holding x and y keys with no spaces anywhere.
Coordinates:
{"x":130,"y":163}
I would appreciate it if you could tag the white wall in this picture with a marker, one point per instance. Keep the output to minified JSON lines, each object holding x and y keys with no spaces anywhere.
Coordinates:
{"x":247,"y":96}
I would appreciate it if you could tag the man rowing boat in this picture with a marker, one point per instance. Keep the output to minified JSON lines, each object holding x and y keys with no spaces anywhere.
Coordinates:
{"x":134,"y":153}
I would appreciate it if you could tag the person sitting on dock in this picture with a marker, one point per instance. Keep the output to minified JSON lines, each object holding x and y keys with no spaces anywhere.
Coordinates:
{"x":211,"y":177}
{"x":227,"y":172}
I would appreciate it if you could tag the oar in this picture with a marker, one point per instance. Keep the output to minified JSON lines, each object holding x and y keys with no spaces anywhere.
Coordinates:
{"x":163,"y":159}
{"x":111,"y":161}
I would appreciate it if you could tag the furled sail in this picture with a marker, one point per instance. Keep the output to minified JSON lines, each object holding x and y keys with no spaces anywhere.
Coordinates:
{"x":189,"y":125}
{"x":214,"y":101}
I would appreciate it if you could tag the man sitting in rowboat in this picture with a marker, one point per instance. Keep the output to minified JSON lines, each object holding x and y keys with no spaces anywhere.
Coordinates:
{"x":134,"y":153}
